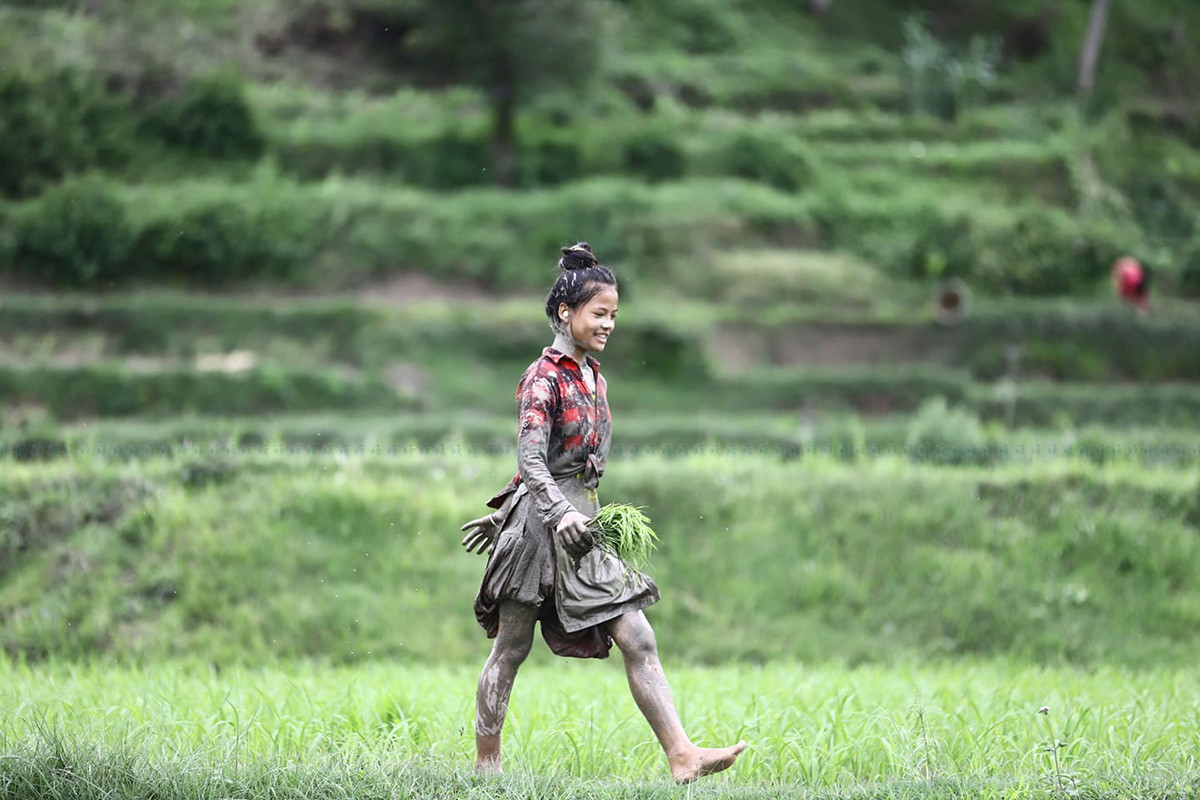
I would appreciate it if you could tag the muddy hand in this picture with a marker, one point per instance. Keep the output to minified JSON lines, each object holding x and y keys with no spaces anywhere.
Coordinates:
{"x":482,"y":535}
{"x":573,"y":534}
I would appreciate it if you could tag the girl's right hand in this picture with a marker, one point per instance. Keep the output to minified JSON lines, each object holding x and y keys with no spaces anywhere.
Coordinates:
{"x":572,"y":532}
{"x":483,"y":537}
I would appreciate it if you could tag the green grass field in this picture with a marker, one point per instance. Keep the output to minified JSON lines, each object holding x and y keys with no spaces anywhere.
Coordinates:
{"x":297,"y":624}
{"x":349,"y":557}
{"x":381,"y":730}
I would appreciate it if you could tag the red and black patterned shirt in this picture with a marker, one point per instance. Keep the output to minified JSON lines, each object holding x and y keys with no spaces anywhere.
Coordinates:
{"x":565,"y":430}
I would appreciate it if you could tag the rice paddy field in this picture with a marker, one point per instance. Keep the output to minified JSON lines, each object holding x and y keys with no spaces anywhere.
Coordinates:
{"x":963,"y":729}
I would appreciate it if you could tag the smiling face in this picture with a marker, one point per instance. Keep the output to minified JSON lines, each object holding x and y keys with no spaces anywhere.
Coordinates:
{"x":591,"y":323}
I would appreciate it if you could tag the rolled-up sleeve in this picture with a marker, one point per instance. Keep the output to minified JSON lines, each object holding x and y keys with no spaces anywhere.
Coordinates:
{"x":537,"y":401}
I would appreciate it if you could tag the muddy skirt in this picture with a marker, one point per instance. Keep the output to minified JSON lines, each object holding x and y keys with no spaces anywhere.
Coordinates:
{"x":574,"y":595}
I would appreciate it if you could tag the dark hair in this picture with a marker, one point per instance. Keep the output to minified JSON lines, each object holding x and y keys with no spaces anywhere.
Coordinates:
{"x":581,"y":277}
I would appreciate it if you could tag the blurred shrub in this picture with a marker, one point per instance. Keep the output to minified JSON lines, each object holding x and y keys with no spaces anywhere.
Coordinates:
{"x":1189,"y":270}
{"x":773,"y":159}
{"x":550,"y":158}
{"x":654,"y":155}
{"x":864,"y":389}
{"x":1117,"y":346}
{"x":1161,"y":207}
{"x":940,"y":82}
{"x":1040,"y":252}
{"x":220,"y":244}
{"x":1044,"y":254}
{"x":341,"y":232}
{"x":944,"y":247}
{"x":1059,"y":405}
{"x":209,"y":116}
{"x":314,"y":159}
{"x":76,"y":234}
{"x":54,"y":125}
{"x":939,"y":434}
{"x":66,"y":121}
{"x":661,"y":350}
{"x":8,"y":243}
{"x":924,"y":57}
{"x":452,"y":160}
{"x":111,"y":391}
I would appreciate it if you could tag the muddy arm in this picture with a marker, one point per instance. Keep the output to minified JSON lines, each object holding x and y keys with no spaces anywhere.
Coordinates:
{"x":536,"y":408}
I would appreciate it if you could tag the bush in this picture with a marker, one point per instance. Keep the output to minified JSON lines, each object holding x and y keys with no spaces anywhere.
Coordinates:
{"x":1043,"y":254}
{"x":942,"y":435}
{"x":1161,"y":207}
{"x":211,"y":117}
{"x":60,"y":124}
{"x":76,"y":234}
{"x":657,"y":349}
{"x":453,"y":160}
{"x":942,"y":83}
{"x":944,"y":247}
{"x":222,"y":244}
{"x":775,"y":160}
{"x":655,"y":156}
{"x":8,"y":242}
{"x":107,"y":390}
{"x":549,"y":160}
{"x":317,"y":159}
{"x":450,"y":160}
{"x":1189,"y":271}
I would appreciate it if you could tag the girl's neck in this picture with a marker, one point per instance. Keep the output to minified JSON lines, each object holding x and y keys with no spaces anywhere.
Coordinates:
{"x":565,"y":343}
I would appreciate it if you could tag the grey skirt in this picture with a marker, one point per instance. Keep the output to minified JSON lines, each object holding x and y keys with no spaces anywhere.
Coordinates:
{"x":527,"y":566}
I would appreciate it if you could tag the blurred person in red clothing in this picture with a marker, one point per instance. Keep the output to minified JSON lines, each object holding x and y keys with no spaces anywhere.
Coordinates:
{"x":1131,"y":280}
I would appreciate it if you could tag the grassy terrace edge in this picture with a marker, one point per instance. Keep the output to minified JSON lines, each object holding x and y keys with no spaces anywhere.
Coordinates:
{"x":357,"y":557}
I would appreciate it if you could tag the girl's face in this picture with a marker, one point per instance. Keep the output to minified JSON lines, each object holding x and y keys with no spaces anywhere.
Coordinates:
{"x":592,"y":322}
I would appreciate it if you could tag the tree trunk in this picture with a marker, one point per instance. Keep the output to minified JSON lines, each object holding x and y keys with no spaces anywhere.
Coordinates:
{"x":1091,"y":45}
{"x":503,"y":115}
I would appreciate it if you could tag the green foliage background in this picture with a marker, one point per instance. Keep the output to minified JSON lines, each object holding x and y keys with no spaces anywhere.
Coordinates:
{"x":926,"y":140}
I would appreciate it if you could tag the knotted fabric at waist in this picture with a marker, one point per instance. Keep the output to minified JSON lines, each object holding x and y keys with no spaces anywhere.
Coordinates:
{"x":593,"y":470}
{"x":589,"y":475}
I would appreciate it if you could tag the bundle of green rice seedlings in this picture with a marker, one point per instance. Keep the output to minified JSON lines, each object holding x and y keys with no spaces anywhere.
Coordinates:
{"x":625,"y":532}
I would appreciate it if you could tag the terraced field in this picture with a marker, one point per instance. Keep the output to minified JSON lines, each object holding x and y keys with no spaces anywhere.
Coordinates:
{"x":264,"y":304}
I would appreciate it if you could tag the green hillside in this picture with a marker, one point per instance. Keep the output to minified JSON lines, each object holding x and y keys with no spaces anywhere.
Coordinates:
{"x":325,"y":145}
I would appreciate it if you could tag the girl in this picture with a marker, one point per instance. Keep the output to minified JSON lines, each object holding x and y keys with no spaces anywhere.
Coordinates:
{"x":542,"y":566}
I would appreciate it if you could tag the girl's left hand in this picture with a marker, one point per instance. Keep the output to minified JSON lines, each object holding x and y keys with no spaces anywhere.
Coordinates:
{"x":573,"y":534}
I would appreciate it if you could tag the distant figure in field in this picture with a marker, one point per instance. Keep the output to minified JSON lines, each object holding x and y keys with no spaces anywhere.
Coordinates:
{"x":542,"y":566}
{"x":1131,"y":280}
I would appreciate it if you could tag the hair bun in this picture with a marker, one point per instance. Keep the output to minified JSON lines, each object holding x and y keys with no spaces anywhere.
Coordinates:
{"x":577,"y":256}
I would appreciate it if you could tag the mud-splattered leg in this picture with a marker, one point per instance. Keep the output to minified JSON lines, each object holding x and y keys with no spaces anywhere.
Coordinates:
{"x":635,"y":637}
{"x":495,"y":684}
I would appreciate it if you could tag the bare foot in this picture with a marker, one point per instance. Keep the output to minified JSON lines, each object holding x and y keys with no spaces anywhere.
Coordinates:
{"x":701,"y":761}
{"x":488,"y":766}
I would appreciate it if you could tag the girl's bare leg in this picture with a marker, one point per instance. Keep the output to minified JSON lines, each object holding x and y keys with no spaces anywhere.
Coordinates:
{"x":513,"y":641}
{"x":635,"y":637}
